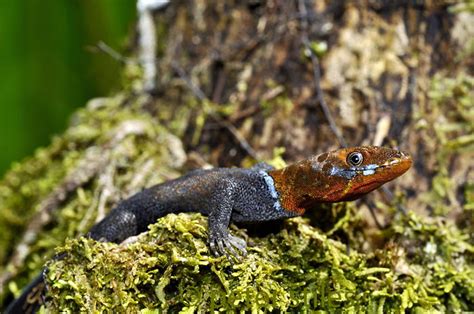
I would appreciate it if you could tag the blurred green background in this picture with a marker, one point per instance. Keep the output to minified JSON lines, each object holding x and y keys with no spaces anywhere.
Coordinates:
{"x":48,"y":68}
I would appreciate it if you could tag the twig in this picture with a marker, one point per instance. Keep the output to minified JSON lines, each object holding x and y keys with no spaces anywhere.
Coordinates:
{"x":244,"y":144}
{"x":196,"y":91}
{"x":102,"y":46}
{"x":382,"y":129}
{"x":390,"y":197}
{"x":117,"y":56}
{"x":233,"y":130}
{"x":147,"y":47}
{"x":371,"y":206}
{"x":317,"y":75}
{"x":139,"y":176}
{"x":324,"y":107}
{"x":147,"y":40}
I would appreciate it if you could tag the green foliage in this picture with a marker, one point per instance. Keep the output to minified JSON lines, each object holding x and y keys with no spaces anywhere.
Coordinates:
{"x":48,"y":67}
{"x":457,"y":94}
{"x":320,"y":48}
{"x":298,"y":269}
{"x":449,"y":122}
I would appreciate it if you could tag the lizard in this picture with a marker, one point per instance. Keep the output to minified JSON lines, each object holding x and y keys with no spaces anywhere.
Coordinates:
{"x":258,"y":194}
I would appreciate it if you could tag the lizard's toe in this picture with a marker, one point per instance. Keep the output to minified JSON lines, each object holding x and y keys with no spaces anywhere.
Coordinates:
{"x":228,"y":245}
{"x":230,"y":249}
{"x":239,"y":244}
{"x":213,"y":248}
{"x":221,"y":247}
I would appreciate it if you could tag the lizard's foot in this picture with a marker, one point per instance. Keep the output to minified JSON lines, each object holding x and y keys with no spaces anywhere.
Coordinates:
{"x":227,"y":245}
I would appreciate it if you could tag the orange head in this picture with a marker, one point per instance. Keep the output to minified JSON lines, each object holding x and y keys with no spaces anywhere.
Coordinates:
{"x":341,"y":175}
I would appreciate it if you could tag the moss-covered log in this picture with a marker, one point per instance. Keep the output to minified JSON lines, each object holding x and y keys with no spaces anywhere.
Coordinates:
{"x":392,"y":75}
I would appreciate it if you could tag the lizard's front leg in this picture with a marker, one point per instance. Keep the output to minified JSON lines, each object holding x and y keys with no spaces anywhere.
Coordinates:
{"x":221,"y":242}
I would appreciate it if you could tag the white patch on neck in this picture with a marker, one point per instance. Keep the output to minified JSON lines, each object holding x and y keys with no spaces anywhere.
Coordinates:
{"x":271,"y":187}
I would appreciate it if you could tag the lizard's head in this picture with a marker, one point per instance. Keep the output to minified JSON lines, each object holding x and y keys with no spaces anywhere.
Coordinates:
{"x":354,"y":172}
{"x":341,"y":175}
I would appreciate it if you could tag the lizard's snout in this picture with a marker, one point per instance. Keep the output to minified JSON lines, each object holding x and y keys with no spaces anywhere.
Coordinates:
{"x":400,"y":163}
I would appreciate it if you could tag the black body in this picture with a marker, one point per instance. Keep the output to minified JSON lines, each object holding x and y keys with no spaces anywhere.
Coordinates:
{"x":222,"y":194}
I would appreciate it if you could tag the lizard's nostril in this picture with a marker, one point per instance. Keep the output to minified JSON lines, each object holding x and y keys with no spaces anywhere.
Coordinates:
{"x":405,"y":155}
{"x":401,"y":154}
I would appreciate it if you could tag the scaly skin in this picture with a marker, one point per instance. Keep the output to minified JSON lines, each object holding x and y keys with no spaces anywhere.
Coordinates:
{"x":329,"y":178}
{"x":253,"y":195}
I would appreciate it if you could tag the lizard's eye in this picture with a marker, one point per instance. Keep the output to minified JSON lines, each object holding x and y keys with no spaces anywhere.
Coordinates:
{"x":355,"y":159}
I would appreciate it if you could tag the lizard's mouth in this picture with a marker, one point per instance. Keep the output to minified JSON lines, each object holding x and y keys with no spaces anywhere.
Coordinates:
{"x":397,"y":166}
{"x":373,"y":176}
{"x":384,"y":172}
{"x":392,"y":167}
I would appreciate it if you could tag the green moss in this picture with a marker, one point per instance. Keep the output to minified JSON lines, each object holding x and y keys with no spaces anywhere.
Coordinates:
{"x":298,"y":269}
{"x":448,"y":123}
{"x":132,"y":162}
{"x":425,"y":264}
{"x":25,"y":185}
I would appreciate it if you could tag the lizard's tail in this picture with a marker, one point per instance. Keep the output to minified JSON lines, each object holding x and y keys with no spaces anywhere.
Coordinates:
{"x":31,"y":298}
{"x":120,"y":224}
{"x":129,"y":218}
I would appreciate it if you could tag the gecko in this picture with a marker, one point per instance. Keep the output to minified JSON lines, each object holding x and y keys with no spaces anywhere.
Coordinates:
{"x":258,"y":194}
